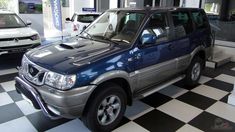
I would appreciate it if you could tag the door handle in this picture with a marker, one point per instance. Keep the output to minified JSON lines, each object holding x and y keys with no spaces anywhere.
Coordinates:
{"x":138,"y":56}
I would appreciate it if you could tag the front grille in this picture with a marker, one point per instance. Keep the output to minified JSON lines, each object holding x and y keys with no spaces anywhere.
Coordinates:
{"x":32,"y":72}
{"x":18,"y":38}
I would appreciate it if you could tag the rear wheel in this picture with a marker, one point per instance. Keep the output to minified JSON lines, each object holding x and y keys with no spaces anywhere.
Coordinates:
{"x":194,"y":71}
{"x":106,"y":108}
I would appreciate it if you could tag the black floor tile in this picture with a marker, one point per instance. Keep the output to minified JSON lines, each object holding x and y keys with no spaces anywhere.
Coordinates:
{"x":157,"y":121}
{"x":211,"y":123}
{"x":43,"y":123}
{"x":8,"y":77}
{"x":1,"y":89}
{"x":124,"y":121}
{"x":196,"y":100}
{"x":228,"y":66}
{"x":156,"y":99}
{"x":220,"y":85}
{"x":9,"y":112}
{"x":15,"y":96}
{"x":225,"y":99}
{"x":210,"y":72}
{"x":182,"y":84}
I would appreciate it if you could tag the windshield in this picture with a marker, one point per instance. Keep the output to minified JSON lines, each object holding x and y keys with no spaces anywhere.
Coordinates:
{"x":10,"y":21}
{"x":118,"y":26}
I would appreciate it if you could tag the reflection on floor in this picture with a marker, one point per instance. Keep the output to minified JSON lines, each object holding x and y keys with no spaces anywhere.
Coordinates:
{"x":175,"y":108}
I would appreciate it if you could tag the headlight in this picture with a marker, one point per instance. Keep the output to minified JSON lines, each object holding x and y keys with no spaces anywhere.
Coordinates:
{"x":35,"y":37}
{"x":62,"y":82}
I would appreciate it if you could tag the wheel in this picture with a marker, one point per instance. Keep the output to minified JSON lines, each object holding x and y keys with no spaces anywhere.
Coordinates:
{"x":193,"y":73}
{"x":106,"y":108}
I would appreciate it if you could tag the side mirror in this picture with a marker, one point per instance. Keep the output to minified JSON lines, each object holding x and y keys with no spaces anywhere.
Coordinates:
{"x":28,"y":23}
{"x":148,"y":39}
{"x":67,"y":19}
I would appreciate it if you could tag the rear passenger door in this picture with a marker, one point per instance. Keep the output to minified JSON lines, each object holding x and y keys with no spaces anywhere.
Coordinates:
{"x":183,"y":29}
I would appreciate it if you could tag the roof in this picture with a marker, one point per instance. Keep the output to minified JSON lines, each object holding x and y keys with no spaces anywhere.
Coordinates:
{"x":2,"y":11}
{"x":149,"y":9}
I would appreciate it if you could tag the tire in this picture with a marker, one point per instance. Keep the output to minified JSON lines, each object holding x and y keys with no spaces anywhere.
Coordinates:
{"x":105,"y":101}
{"x":193,"y":73}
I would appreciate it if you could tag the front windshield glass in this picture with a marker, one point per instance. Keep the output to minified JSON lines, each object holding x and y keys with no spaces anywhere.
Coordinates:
{"x":120,"y":26}
{"x":10,"y":21}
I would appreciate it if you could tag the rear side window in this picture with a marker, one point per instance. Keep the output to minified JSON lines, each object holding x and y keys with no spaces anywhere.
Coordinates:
{"x":200,"y":20}
{"x":182,"y":22}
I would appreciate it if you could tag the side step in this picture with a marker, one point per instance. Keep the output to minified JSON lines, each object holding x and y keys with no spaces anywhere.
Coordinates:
{"x":159,"y":87}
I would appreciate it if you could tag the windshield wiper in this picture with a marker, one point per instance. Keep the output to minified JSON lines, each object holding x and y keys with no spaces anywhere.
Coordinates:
{"x":121,"y":40}
{"x":105,"y":38}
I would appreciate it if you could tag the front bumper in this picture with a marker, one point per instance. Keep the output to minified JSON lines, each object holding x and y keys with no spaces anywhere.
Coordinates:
{"x":54,"y":103}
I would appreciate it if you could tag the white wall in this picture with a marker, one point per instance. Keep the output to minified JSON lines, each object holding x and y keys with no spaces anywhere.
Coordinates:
{"x":77,"y":5}
{"x":190,"y":3}
{"x":37,"y":21}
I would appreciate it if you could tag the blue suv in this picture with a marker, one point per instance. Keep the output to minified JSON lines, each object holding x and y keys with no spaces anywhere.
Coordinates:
{"x":124,"y":54}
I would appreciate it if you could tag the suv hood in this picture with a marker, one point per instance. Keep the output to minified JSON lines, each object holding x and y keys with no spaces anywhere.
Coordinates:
{"x":68,"y":56}
{"x":16,"y":32}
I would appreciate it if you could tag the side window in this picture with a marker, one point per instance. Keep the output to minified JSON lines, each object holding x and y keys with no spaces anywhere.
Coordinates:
{"x":157,"y":26}
{"x":182,"y":22}
{"x":199,"y":19}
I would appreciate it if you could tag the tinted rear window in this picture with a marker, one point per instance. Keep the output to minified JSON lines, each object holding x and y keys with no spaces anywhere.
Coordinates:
{"x":87,"y":18}
{"x":181,"y":19}
{"x":200,"y":19}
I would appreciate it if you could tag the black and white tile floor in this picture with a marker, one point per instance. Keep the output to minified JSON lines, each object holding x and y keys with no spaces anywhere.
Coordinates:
{"x":175,"y":108}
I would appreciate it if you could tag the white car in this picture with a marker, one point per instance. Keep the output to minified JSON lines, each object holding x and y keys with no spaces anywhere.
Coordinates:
{"x":79,"y":22}
{"x":15,"y":35}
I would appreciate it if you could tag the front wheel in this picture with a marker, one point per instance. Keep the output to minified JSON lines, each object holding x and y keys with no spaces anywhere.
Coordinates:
{"x":106,"y":108}
{"x":194,"y":71}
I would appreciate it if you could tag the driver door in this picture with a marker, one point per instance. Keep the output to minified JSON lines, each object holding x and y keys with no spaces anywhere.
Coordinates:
{"x":155,"y":61}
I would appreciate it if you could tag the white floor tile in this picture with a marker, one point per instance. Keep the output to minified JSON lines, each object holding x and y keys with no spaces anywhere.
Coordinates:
{"x":188,"y":128}
{"x":204,"y":79}
{"x":5,"y":99}
{"x":71,"y":126}
{"x":9,"y":86}
{"x":130,"y":127}
{"x":226,"y":78}
{"x":26,"y":107}
{"x":173,"y":91}
{"x":18,"y":125}
{"x":180,"y":110}
{"x":8,"y":71}
{"x":210,"y":92}
{"x":137,"y":109}
{"x":223,"y":110}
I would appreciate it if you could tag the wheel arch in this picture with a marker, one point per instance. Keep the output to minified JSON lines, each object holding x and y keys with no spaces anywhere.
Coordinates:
{"x":120,"y":79}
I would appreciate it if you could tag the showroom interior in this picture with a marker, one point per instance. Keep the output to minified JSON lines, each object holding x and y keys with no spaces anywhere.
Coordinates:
{"x":56,"y":35}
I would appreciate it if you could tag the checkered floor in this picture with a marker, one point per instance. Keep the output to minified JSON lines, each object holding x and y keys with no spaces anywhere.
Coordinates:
{"x":175,"y":108}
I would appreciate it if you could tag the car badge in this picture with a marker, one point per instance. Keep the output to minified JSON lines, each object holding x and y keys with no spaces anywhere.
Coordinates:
{"x":16,"y":40}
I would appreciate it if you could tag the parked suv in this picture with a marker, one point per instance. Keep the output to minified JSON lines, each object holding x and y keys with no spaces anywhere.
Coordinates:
{"x":15,"y":35}
{"x":124,"y":54}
